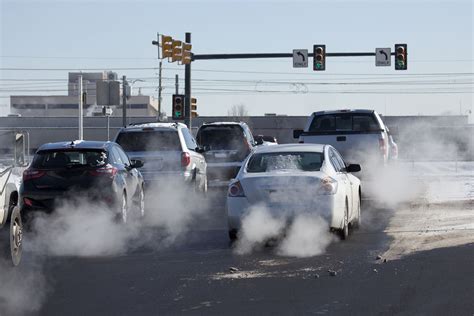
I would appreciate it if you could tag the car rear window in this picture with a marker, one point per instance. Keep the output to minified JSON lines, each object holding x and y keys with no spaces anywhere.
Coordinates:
{"x":149,"y":141}
{"x":302,"y":161}
{"x":57,"y":159}
{"x":358,"y":122}
{"x":222,"y":137}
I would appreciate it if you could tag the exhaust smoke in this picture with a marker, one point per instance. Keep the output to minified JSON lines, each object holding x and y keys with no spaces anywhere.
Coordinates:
{"x":305,"y":235}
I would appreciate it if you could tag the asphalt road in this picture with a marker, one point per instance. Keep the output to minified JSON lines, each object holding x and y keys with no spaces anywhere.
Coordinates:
{"x":426,"y":267}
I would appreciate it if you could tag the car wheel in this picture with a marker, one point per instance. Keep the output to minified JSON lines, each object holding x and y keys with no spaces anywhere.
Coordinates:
{"x":123,"y":211}
{"x":13,"y":247}
{"x":233,"y":235}
{"x":357,"y":221}
{"x":344,"y":231}
{"x":204,"y":187}
{"x":140,"y":203}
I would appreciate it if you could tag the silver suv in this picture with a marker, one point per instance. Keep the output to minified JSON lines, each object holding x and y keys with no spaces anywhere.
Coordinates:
{"x":168,"y":150}
{"x":226,"y":145}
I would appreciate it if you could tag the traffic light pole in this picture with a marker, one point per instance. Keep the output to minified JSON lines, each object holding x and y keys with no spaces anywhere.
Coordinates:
{"x":124,"y":101}
{"x":187,"y":88}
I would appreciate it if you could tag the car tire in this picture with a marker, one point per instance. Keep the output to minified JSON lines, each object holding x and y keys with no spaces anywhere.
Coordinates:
{"x":344,"y":231}
{"x":357,"y":222}
{"x":12,"y":247}
{"x":233,"y":234}
{"x":204,"y":187}
{"x":122,"y":215}
{"x":140,"y":203}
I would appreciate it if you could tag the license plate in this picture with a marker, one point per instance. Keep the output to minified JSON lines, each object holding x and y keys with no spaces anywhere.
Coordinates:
{"x":220,"y":155}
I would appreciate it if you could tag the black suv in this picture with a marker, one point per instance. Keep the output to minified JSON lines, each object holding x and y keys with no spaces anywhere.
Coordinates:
{"x":99,"y":171}
{"x":226,"y":146}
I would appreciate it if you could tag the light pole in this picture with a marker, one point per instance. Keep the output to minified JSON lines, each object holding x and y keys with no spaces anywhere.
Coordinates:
{"x":129,"y":96}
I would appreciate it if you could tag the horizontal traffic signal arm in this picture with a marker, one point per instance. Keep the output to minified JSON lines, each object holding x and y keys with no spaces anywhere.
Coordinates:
{"x":274,"y":55}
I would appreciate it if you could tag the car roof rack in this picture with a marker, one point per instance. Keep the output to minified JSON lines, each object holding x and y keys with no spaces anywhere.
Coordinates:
{"x":140,"y":123}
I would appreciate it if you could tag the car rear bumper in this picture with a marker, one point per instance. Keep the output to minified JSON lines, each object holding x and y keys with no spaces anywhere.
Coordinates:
{"x":220,"y":174}
{"x":323,"y":205}
{"x":167,"y":176}
{"x":47,"y":202}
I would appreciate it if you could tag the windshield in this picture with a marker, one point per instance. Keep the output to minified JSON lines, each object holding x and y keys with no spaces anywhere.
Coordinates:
{"x":57,"y":159}
{"x":230,"y":137}
{"x":300,"y":161}
{"x":360,"y":122}
{"x":149,"y":141}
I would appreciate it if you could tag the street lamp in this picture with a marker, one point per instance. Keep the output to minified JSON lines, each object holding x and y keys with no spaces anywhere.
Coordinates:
{"x":128,"y":96}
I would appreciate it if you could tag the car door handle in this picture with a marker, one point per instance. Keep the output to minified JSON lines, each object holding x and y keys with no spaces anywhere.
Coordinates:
{"x":341,"y":138}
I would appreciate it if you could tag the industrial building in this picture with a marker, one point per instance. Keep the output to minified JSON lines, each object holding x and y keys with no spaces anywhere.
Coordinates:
{"x":67,"y":105}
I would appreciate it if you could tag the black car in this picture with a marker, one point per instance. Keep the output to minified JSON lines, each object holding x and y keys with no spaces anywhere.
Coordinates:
{"x":98,"y":171}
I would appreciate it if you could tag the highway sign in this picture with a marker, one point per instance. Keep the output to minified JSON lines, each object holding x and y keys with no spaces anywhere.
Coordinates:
{"x":382,"y":57}
{"x":300,"y":58}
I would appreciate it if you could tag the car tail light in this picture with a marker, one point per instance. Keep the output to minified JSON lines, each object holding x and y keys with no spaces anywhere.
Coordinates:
{"x":30,"y":174}
{"x":328,"y":186}
{"x":236,"y":190}
{"x":28,"y":202}
{"x":108,"y":171}
{"x":185,"y":159}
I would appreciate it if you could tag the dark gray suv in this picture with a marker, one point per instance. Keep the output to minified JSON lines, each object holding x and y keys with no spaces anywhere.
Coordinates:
{"x":226,"y":146}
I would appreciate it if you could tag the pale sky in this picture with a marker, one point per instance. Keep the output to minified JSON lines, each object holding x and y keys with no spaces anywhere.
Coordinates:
{"x":116,"y":35}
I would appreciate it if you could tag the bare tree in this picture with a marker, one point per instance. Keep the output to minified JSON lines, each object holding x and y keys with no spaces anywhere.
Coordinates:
{"x":238,"y":111}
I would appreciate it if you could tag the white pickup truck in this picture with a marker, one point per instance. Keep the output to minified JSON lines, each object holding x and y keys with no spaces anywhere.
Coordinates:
{"x":13,"y":160}
{"x":359,"y":135}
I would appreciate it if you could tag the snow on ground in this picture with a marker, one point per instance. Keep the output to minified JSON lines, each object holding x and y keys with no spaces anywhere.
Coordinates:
{"x":424,"y":227}
{"x":442,"y":215}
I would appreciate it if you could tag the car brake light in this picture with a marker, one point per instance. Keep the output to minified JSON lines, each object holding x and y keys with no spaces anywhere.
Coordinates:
{"x":236,"y":190}
{"x":28,"y":202}
{"x":328,"y":186}
{"x":185,"y":159}
{"x":30,"y":174}
{"x":108,"y":171}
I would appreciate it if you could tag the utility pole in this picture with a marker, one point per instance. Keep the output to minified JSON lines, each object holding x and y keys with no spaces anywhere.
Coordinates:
{"x":159,"y":88}
{"x":124,"y":101}
{"x":81,"y":124}
{"x":160,"y":67}
{"x":187,"y":88}
{"x":176,"y":78}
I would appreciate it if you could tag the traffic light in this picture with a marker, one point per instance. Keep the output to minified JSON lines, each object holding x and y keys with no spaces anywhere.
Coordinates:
{"x":176,"y":51}
{"x":319,"y":57}
{"x":166,"y":46}
{"x":186,"y":54}
{"x":400,"y":56}
{"x":194,"y":107}
{"x":178,"y":107}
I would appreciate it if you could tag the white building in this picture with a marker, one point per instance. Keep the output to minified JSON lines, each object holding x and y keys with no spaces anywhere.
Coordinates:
{"x":68,"y":105}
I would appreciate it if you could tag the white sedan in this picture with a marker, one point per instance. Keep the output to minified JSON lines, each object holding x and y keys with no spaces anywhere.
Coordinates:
{"x":296,"y":179}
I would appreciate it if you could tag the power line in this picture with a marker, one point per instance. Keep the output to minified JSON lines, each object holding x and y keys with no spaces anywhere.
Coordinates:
{"x":279,"y":61}
{"x":224,"y":71}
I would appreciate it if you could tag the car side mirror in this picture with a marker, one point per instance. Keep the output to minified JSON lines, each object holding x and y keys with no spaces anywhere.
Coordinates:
{"x":259,"y":141}
{"x":202,"y":149}
{"x":353,"y":168}
{"x":297,"y":133}
{"x":135,"y":163}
